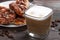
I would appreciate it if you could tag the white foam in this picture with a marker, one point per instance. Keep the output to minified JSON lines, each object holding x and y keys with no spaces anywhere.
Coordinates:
{"x":40,"y":12}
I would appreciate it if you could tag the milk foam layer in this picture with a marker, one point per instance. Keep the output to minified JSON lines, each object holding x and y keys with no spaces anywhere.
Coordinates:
{"x":40,"y":12}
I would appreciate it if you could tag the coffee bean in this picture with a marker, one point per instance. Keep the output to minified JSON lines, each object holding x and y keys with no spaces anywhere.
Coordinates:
{"x":57,"y":21}
{"x":54,"y":25}
{"x":59,"y":33}
{"x":6,"y":33}
{"x":53,"y":22}
{"x":58,"y":29}
{"x":10,"y":36}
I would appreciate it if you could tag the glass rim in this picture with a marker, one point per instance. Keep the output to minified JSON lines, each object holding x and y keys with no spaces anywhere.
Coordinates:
{"x":32,"y":16}
{"x":38,"y":18}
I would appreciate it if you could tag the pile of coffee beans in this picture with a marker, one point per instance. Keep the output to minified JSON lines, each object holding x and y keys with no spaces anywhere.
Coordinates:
{"x":6,"y":33}
{"x":55,"y":23}
{"x":10,"y":32}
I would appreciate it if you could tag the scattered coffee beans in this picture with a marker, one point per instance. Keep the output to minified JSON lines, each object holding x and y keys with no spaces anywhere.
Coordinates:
{"x":57,"y":21}
{"x":54,"y":24}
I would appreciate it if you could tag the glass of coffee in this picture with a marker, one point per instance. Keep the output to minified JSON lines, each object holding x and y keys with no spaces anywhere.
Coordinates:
{"x":38,"y":19}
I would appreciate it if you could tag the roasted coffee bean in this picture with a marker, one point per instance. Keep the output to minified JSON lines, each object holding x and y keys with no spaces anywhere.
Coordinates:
{"x":53,"y":22}
{"x":53,"y":26}
{"x":6,"y":33}
{"x":58,"y":29}
{"x":57,"y":21}
{"x":10,"y":36}
{"x":56,"y":24}
{"x":59,"y":33}
{"x":1,"y":34}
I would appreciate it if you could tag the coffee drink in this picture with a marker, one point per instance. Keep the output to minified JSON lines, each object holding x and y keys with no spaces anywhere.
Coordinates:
{"x":38,"y":20}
